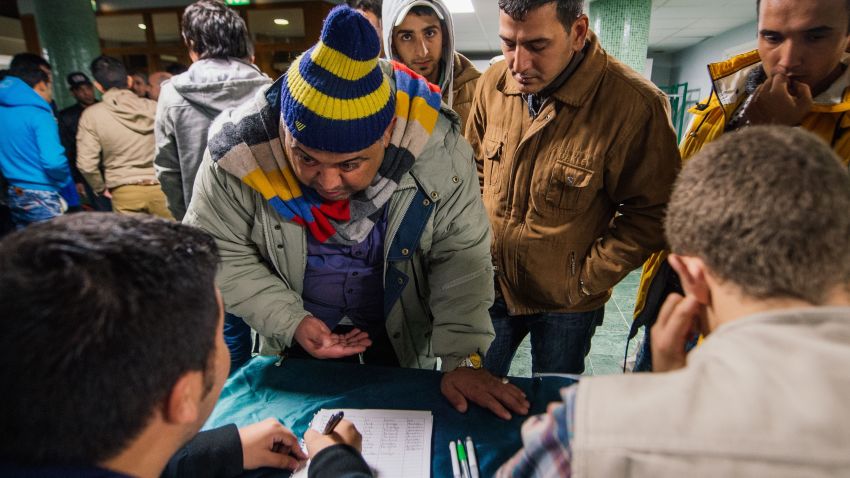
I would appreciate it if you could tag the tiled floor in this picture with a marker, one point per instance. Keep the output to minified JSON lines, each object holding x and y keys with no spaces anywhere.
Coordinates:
{"x":608,"y":345}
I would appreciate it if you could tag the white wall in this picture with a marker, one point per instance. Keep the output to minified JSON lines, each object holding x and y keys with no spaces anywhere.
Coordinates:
{"x":690,"y":64}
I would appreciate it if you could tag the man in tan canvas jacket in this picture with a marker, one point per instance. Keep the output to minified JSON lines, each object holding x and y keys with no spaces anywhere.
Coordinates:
{"x":577,"y":157}
{"x":115,"y":143}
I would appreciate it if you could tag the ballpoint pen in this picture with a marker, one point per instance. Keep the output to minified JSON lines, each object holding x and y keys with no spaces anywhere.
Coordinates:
{"x":332,"y":422}
{"x":473,"y":461}
{"x":455,"y":464}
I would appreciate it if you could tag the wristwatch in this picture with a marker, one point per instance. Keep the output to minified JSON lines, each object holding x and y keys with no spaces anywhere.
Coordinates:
{"x":472,"y":361}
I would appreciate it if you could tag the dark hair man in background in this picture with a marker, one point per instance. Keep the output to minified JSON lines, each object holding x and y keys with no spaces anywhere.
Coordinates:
{"x":578,"y":157}
{"x":221,"y":77}
{"x":371,"y":9}
{"x":69,"y":119}
{"x":113,"y":356}
{"x":140,"y":85}
{"x":32,"y":159}
{"x":798,"y":76}
{"x":116,"y":135}
{"x":768,"y":283}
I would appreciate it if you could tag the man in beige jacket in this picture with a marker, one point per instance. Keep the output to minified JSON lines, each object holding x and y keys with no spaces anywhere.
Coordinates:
{"x":578,"y":157}
{"x":115,"y":143}
{"x":758,"y":229}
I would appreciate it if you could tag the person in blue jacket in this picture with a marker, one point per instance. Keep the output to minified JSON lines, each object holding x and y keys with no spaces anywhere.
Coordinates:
{"x":32,"y":159}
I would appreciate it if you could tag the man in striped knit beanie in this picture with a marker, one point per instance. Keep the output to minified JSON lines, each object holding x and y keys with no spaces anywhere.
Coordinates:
{"x":347,"y":210}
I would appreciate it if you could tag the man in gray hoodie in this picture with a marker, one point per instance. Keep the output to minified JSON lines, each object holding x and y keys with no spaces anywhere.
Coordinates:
{"x":420,"y":34}
{"x":221,"y":77}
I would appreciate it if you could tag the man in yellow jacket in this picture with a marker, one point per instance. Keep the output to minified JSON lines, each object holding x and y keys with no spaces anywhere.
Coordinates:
{"x":797,"y":77}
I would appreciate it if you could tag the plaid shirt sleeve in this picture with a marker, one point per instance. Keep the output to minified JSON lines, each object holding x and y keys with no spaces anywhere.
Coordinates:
{"x":546,"y":438}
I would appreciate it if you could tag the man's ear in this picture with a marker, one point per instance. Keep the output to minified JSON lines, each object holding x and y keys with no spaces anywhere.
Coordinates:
{"x":130,"y":82}
{"x":182,"y":404}
{"x":692,"y":274}
{"x":99,"y":87}
{"x":578,"y":33}
{"x":388,"y":133}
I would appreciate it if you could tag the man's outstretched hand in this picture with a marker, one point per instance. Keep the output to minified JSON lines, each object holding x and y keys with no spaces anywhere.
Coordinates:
{"x":316,"y":338}
{"x":464,"y":385}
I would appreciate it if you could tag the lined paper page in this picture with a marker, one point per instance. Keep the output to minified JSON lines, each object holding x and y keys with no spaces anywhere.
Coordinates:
{"x":396,"y":443}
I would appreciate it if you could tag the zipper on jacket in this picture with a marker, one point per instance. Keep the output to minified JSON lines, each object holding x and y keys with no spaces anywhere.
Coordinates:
{"x":573,"y":264}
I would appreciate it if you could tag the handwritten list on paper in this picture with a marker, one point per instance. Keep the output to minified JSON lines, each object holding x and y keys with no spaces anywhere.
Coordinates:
{"x":396,"y":443}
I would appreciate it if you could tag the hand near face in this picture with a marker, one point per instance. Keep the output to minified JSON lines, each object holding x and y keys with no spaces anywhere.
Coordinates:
{"x":463,"y":385}
{"x":344,"y":434}
{"x":780,"y":100}
{"x":316,"y":338}
{"x":270,"y":444}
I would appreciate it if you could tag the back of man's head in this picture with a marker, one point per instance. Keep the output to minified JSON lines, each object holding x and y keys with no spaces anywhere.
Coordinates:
{"x":102,"y":314}
{"x":109,"y":72}
{"x":767,"y":210}
{"x":29,"y":68}
{"x":212,"y":30}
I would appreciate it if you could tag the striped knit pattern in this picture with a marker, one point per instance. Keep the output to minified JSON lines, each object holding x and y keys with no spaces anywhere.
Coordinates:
{"x":247,"y":143}
{"x":337,"y":86}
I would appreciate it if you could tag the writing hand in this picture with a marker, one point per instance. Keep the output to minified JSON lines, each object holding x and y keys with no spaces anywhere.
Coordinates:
{"x":482,"y":388}
{"x":270,"y":444}
{"x":780,"y":100}
{"x":345,"y":433}
{"x":316,"y":338}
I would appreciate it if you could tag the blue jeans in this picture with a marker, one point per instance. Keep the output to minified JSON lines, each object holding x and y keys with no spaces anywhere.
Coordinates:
{"x":559,"y":341}
{"x":237,"y":336}
{"x":32,"y":205}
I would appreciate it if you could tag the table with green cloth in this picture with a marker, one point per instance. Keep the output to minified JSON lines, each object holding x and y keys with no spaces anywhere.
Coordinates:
{"x":294,"y":391}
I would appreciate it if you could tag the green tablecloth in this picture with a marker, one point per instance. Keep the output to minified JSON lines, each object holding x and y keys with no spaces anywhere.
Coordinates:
{"x":297,"y":389}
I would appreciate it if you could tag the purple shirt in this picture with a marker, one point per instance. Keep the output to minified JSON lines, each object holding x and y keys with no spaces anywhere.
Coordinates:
{"x":346,"y":281}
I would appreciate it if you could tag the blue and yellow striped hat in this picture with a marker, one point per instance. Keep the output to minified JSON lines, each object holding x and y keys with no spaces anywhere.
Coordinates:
{"x":335,"y":97}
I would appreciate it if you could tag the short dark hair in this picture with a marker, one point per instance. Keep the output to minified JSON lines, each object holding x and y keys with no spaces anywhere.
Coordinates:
{"x":29,"y":68}
{"x":373,"y":6}
{"x":847,"y":4}
{"x":762,"y":205}
{"x":212,"y":30}
{"x":109,"y":72}
{"x":142,"y":75}
{"x":568,"y":10}
{"x":102,"y":314}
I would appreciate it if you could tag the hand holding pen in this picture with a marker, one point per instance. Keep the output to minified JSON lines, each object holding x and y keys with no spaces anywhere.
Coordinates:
{"x":337,"y":431}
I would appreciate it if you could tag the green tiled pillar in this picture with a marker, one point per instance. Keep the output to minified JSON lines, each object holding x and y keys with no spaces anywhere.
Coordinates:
{"x":67,"y":31}
{"x":623,"y":29}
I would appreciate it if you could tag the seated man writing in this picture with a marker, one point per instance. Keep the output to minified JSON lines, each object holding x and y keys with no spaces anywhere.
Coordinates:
{"x":758,"y":229}
{"x":347,"y":211}
{"x":113,"y":357}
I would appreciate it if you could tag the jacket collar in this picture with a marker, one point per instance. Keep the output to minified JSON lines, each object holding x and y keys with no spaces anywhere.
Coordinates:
{"x":729,"y":77}
{"x":581,"y":85}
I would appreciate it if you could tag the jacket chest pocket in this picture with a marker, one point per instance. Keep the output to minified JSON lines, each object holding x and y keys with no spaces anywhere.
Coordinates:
{"x":569,"y":187}
{"x":493,"y":149}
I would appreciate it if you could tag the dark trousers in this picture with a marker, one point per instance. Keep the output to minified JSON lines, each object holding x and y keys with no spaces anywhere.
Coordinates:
{"x":559,"y":341}
{"x":237,"y":336}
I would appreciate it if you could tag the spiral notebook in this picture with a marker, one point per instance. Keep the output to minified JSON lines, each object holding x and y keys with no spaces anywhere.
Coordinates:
{"x":396,"y":443}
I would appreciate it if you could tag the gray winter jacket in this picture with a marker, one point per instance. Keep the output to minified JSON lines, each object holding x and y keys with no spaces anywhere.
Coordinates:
{"x":438,"y":274}
{"x":187,"y":106}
